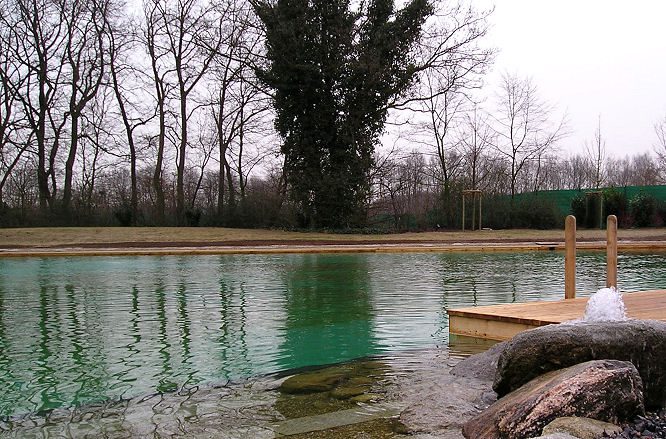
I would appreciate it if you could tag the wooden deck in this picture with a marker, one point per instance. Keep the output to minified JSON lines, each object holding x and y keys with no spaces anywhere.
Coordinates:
{"x":501,"y":322}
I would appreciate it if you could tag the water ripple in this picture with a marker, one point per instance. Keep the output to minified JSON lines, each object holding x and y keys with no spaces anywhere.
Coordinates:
{"x":81,"y":331}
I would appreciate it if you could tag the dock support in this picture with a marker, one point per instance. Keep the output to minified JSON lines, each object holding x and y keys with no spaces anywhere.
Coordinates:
{"x":570,"y":257}
{"x":611,"y":251}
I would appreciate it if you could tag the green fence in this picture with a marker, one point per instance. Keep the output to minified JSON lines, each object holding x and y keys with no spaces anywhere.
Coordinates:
{"x":562,"y":199}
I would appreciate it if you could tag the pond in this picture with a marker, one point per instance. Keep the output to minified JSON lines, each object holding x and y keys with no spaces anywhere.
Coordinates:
{"x":80,"y":331}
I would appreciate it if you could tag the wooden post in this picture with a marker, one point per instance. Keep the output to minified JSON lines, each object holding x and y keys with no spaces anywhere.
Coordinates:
{"x":473,"y":211}
{"x":463,"y":215}
{"x":570,"y":258}
{"x":476,"y":195}
{"x":480,"y":201}
{"x":611,"y":251}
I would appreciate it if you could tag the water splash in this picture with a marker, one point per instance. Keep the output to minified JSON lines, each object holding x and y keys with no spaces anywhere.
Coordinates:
{"x":606,"y":305}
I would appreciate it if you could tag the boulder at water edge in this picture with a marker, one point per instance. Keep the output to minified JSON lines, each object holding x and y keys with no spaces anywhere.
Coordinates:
{"x":482,"y":366}
{"x":582,"y":428}
{"x":534,"y":352}
{"x":606,"y":390}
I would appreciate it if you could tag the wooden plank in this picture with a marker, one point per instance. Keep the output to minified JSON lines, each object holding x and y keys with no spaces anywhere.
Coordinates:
{"x":486,"y":329}
{"x":499,"y":322}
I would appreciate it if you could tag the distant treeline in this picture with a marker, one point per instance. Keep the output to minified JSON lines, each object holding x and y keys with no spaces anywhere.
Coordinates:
{"x":408,"y":194}
{"x":322,"y":114}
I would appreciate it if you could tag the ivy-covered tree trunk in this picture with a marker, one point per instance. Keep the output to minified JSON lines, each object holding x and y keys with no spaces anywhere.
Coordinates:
{"x":334,"y":72}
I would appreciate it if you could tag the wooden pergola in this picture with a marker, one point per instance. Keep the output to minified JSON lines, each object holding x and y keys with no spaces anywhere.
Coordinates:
{"x":476,"y":195}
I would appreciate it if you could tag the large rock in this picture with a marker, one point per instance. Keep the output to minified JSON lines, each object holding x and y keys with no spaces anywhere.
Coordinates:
{"x":438,"y":403}
{"x":607,"y":390}
{"x":481,"y":366}
{"x":532,"y":353}
{"x":583,"y":428}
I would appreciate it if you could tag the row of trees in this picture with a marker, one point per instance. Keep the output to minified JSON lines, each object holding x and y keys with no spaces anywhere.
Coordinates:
{"x":411,"y":194}
{"x":91,"y":91}
{"x":269,"y":113}
{"x":182,"y":90}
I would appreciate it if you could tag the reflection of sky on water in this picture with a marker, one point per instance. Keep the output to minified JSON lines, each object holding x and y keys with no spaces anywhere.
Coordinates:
{"x":81,"y":330}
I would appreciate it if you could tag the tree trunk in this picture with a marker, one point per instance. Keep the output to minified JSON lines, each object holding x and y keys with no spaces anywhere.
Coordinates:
{"x":69,"y":165}
{"x":182,"y":150}
{"x":157,"y":175}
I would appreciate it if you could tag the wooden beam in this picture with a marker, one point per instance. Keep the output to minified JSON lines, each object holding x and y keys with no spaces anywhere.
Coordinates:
{"x":485,"y":329}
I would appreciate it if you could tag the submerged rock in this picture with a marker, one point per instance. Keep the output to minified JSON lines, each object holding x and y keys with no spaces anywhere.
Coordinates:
{"x":316,"y":381}
{"x":347,"y":392}
{"x":367,"y":398}
{"x":537,"y":351}
{"x":357,"y":374}
{"x":607,"y":390}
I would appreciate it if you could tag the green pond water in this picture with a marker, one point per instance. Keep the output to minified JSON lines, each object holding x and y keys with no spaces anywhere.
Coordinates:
{"x":79,"y":331}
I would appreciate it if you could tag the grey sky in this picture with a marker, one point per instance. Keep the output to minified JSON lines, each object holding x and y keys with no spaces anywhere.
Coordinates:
{"x":591,"y":58}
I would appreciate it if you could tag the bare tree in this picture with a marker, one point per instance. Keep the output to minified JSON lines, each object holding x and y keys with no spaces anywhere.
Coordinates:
{"x":22,"y":191}
{"x":12,"y":81}
{"x":551,"y":174}
{"x":206,"y":148}
{"x":449,"y":54}
{"x":443,"y":111}
{"x":152,"y":32}
{"x":645,"y":170}
{"x":402,"y":186}
{"x":126,"y":77}
{"x":523,"y":126}
{"x":596,"y":153}
{"x":192,"y":34}
{"x":95,"y":152}
{"x":475,"y":138}
{"x":620,"y":173}
{"x":660,"y":147}
{"x":389,"y":183}
{"x":578,"y":172}
{"x":237,"y":103}
{"x":85,"y":29}
{"x":450,"y":63}
{"x":38,"y":50}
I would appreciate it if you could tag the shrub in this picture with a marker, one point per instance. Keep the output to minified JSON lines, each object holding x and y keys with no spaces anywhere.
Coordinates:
{"x":192,"y":217}
{"x":643,"y":208}
{"x":536,"y":213}
{"x":579,"y":206}
{"x":615,"y":203}
{"x":123,"y":215}
{"x":527,"y":212}
{"x":585,"y":207}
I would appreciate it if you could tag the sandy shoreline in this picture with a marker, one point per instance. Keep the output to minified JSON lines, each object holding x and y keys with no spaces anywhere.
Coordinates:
{"x":183,"y":241}
{"x":141,"y":249}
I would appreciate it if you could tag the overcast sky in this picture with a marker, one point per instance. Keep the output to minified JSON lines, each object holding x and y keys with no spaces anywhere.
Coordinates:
{"x":590,"y":58}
